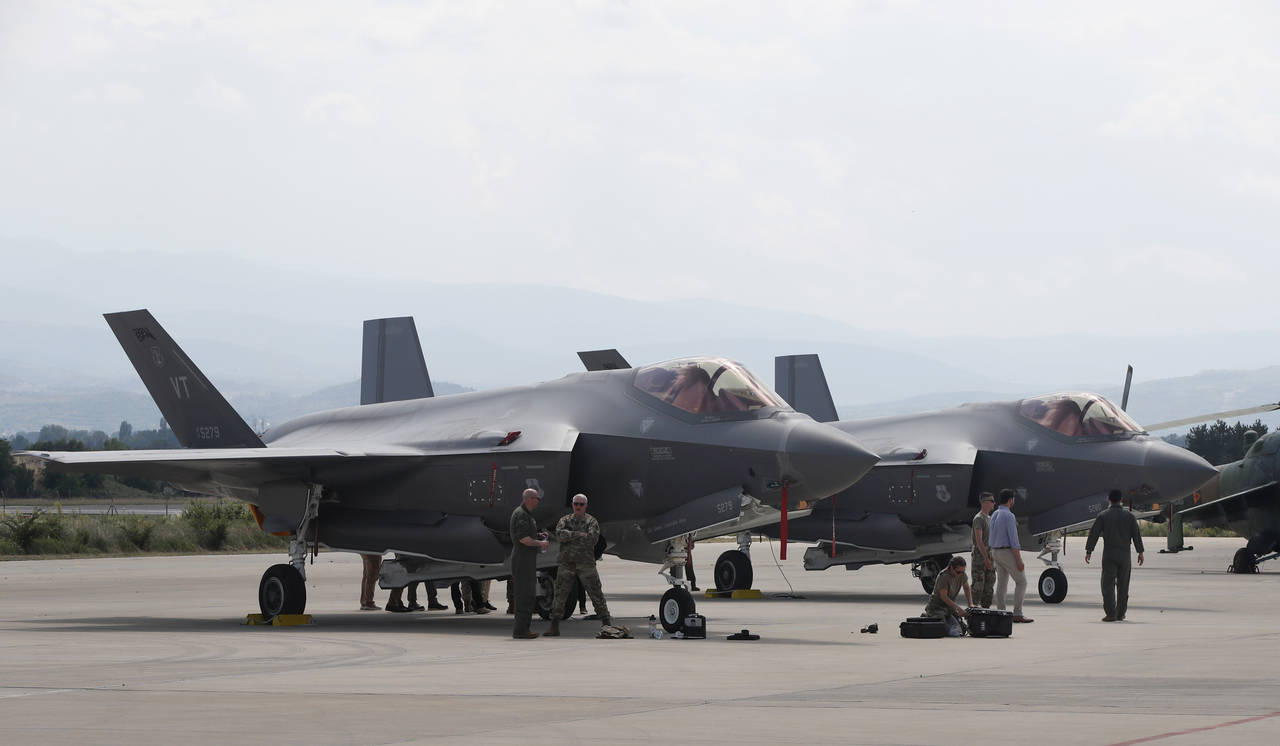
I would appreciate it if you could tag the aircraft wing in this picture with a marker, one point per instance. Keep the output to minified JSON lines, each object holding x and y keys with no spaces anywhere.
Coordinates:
{"x":202,"y":468}
{"x":1207,"y":417}
{"x":1235,"y":506}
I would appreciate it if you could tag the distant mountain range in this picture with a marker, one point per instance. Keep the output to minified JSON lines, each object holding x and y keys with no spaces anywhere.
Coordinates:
{"x":279,"y":343}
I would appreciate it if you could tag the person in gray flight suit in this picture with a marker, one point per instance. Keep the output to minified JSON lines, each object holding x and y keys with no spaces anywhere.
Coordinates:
{"x":1117,"y":527}
{"x":525,"y":543}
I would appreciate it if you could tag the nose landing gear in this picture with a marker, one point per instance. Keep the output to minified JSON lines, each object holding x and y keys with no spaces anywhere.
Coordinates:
{"x":677,"y":603}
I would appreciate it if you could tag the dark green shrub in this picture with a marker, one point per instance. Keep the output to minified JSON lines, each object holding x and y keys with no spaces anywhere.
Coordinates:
{"x":137,"y":530}
{"x":211,"y":522}
{"x":25,"y":530}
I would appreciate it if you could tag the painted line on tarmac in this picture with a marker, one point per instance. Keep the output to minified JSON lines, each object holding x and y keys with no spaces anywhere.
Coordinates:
{"x":1172,"y":734}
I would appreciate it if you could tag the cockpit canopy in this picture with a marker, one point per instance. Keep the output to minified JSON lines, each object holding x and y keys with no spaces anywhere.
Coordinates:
{"x":1078,"y":414}
{"x":706,"y":385}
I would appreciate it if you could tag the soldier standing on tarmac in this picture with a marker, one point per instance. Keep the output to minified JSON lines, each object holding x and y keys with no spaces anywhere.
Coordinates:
{"x":577,"y":534}
{"x":984,"y":568}
{"x":525,"y":543}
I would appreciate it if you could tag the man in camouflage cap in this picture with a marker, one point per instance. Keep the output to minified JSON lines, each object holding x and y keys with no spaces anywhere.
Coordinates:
{"x":983,"y":566}
{"x":577,"y":534}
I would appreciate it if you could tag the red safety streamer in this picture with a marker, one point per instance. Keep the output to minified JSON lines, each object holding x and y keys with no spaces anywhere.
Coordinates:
{"x":784,"y":520}
{"x":493,"y":481}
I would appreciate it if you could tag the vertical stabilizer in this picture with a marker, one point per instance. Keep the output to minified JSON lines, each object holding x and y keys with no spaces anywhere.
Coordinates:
{"x":609,"y":359}
{"x":799,"y":379}
{"x":393,"y":367}
{"x":195,"y":411}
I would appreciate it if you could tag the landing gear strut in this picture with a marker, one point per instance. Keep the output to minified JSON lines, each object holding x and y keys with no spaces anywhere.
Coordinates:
{"x":1053,"y":581}
{"x":733,"y":568}
{"x":283,"y":588}
{"x":677,"y":602}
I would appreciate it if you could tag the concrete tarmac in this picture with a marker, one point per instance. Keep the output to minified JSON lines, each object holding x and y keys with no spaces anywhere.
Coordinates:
{"x":152,"y":651}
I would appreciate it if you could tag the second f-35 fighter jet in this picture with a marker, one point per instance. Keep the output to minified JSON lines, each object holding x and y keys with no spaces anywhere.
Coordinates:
{"x":1061,"y":453}
{"x":662,"y":451}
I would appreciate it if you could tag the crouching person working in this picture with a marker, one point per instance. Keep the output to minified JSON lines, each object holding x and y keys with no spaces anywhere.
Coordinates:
{"x":946,"y":589}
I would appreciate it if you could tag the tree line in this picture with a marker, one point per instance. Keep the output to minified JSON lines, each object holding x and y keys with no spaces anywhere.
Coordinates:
{"x":20,"y":482}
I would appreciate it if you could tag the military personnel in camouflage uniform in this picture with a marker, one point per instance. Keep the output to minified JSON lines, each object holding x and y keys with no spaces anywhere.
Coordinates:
{"x":577,"y":534}
{"x":525,"y":543}
{"x":984,"y":568}
{"x":1117,"y":527}
{"x":946,"y":591}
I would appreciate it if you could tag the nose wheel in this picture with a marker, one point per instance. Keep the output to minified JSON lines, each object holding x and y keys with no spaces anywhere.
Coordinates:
{"x":1053,"y":586}
{"x":676,"y":604}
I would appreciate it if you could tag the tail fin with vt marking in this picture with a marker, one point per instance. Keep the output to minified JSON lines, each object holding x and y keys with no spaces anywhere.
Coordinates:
{"x":799,"y":379}
{"x":197,"y":413}
{"x":392,"y":367}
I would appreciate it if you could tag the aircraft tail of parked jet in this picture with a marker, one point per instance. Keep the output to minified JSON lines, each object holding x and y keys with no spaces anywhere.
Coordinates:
{"x":799,"y":379}
{"x":609,"y":359}
{"x":393,"y":367}
{"x":198,"y":414}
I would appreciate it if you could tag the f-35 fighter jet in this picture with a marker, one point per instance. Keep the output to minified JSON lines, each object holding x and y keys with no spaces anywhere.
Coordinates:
{"x":662,"y":451}
{"x":1060,"y":452}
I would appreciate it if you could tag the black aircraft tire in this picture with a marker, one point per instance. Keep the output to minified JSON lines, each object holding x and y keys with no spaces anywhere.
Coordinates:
{"x":1052,"y":586}
{"x":733,"y":571}
{"x":1244,"y":562}
{"x":281,"y":591}
{"x":547,"y":582}
{"x":676,"y":604}
{"x":929,"y":570}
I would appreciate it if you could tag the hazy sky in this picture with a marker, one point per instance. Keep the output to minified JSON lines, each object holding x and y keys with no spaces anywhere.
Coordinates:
{"x":984,"y":167}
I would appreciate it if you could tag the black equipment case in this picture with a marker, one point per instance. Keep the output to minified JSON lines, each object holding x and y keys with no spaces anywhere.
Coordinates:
{"x":989,"y":622}
{"x":695,"y":627}
{"x":923,"y":627}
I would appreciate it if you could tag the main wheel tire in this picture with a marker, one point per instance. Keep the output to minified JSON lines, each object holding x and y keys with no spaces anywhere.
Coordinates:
{"x":1244,"y":562}
{"x":281,"y":591}
{"x":676,"y":604}
{"x":929,"y":570}
{"x":547,"y":584}
{"x":733,"y":571}
{"x":1053,"y":586}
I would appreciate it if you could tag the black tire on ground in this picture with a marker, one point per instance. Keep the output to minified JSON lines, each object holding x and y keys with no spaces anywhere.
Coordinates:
{"x":733,"y":571}
{"x":1053,"y":586}
{"x":547,"y":584}
{"x":281,"y":591}
{"x":1244,"y":562}
{"x":676,"y":604}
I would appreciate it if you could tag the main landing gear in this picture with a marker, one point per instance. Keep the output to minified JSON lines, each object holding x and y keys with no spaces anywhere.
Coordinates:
{"x":283,"y":588}
{"x":1244,"y":562}
{"x":677,"y":603}
{"x":733,"y":568}
{"x":928,"y":568}
{"x":547,"y":593}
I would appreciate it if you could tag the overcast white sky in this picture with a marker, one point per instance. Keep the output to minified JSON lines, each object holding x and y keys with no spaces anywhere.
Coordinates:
{"x":984,"y":167}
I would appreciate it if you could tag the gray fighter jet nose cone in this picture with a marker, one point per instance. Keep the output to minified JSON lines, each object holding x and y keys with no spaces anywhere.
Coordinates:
{"x":1175,"y":471}
{"x":824,"y":460}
